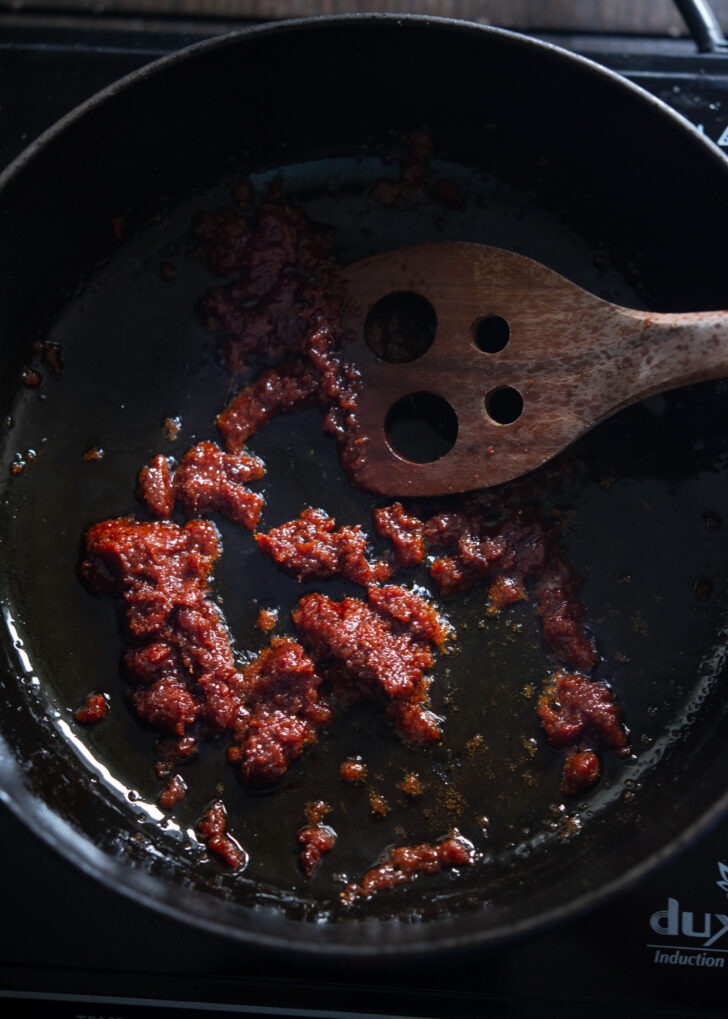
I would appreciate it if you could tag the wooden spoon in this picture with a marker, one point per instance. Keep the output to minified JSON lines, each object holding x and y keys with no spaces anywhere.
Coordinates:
{"x":480,"y":364}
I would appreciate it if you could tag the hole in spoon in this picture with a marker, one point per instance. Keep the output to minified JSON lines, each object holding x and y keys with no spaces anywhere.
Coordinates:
{"x":421,"y":427}
{"x":400,"y":327}
{"x":491,"y":334}
{"x":504,"y":405}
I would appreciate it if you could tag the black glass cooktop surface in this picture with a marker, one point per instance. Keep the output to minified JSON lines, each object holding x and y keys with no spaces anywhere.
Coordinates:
{"x":70,"y":947}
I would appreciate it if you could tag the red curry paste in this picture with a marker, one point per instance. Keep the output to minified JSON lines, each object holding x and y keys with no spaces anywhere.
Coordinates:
{"x":206,"y":481}
{"x":280,"y":713}
{"x":379,"y":650}
{"x":212,"y":826}
{"x":94,"y":709}
{"x":404,"y":863}
{"x":311,"y":548}
{"x":316,"y":838}
{"x":276,"y":314}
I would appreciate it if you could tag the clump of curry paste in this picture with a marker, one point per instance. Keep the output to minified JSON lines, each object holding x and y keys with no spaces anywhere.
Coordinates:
{"x":312,"y":548}
{"x":379,"y":650}
{"x":402,"y":864}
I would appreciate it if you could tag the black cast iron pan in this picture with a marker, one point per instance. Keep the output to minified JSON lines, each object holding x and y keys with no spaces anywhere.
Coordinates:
{"x":558,"y":159}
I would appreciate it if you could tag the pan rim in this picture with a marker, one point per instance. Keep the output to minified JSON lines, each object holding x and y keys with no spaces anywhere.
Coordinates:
{"x":147,"y":890}
{"x":160,"y":65}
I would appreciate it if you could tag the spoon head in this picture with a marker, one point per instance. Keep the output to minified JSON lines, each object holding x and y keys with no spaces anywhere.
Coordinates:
{"x":476,"y":363}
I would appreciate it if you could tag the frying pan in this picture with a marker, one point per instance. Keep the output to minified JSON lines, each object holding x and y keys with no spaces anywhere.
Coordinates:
{"x":557,"y":158}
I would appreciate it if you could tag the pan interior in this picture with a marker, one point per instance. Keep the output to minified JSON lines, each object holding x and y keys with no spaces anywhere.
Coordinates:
{"x":640,"y":502}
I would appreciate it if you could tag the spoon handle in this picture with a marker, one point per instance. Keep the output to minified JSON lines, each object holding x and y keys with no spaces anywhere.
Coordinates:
{"x":669,"y":350}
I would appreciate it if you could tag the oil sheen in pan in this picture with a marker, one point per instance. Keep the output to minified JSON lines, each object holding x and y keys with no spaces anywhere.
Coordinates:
{"x":642,"y":486}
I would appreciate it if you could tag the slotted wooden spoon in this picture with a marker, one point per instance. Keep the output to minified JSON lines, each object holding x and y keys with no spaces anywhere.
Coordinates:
{"x":479,"y":364}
